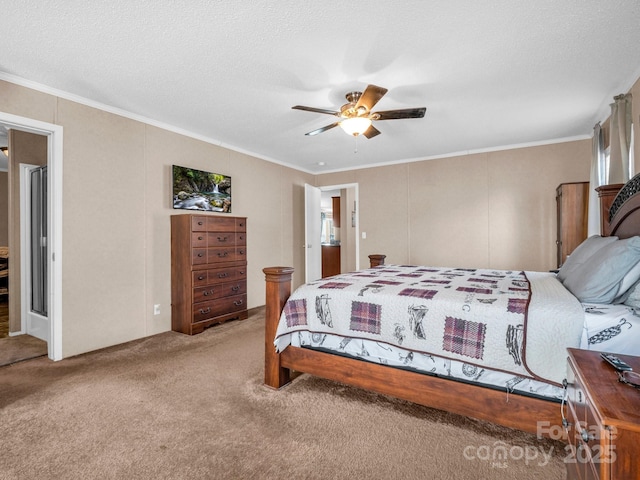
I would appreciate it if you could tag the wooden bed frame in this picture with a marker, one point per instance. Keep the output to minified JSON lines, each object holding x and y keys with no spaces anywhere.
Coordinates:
{"x":515,"y":411}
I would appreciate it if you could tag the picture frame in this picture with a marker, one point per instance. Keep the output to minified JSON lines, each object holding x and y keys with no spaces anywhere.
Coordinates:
{"x":200,"y":190}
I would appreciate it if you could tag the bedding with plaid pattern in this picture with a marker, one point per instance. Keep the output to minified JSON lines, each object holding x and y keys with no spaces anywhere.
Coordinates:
{"x":513,"y":321}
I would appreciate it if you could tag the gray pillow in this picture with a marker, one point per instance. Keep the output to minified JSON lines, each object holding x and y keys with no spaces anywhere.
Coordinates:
{"x":599,"y":279}
{"x":627,"y":284}
{"x":582,"y":253}
{"x":633,"y":298}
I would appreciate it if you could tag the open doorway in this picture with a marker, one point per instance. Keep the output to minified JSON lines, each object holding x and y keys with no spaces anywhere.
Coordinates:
{"x":334,"y":227}
{"x":34,"y":229}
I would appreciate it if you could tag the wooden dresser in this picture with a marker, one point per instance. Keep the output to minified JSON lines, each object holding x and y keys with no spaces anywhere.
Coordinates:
{"x":603,"y":419}
{"x":208,"y":271}
{"x":572,"y":202}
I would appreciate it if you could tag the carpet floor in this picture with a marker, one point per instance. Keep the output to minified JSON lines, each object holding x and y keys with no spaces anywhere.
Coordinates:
{"x":20,"y":348}
{"x":174,"y":406}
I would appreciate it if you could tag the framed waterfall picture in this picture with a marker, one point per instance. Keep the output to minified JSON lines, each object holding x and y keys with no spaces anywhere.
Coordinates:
{"x":199,"y":190}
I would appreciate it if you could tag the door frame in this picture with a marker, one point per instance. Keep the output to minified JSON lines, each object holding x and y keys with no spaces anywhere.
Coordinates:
{"x":312,"y":247}
{"x":341,"y":186}
{"x":356,"y":218}
{"x":54,"y":134}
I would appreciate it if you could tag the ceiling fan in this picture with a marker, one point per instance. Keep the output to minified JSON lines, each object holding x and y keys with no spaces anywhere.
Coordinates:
{"x":356,"y":116}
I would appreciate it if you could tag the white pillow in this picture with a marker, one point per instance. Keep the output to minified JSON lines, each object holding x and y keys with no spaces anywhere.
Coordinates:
{"x":599,"y":279}
{"x":582,"y":253}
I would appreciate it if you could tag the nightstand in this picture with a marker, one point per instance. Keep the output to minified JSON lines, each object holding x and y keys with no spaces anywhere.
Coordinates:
{"x":602,"y":419}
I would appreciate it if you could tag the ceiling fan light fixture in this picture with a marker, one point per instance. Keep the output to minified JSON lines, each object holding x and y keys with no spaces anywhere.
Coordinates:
{"x":356,"y":125}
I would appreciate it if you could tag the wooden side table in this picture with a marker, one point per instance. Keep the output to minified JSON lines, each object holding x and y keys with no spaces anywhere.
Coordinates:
{"x":602,"y":419}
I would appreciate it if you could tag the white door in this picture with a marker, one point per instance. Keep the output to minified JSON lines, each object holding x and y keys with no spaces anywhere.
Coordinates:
{"x":34,"y":251}
{"x":312,"y":233}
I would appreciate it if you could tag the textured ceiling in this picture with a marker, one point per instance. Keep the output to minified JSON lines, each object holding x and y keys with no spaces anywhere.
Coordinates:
{"x":492,"y":74}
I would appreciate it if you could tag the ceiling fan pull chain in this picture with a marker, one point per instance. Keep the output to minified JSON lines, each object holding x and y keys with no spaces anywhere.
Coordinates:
{"x":356,"y":137}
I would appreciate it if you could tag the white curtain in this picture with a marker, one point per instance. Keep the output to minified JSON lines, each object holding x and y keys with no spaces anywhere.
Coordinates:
{"x":598,"y":177}
{"x":621,"y":118}
{"x":632,"y":149}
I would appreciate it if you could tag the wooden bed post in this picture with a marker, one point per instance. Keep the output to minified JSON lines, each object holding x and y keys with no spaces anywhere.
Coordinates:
{"x":376,"y":260}
{"x":278,"y":290}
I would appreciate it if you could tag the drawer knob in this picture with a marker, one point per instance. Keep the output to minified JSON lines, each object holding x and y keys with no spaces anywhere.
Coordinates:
{"x":200,"y":223}
{"x":223,"y":275}
{"x":204,"y":311}
{"x":207,"y":293}
{"x":222,"y":239}
{"x":201,"y":254}
{"x":237,"y":303}
{"x":201,"y":277}
{"x":223,"y":254}
{"x":241,"y":252}
{"x":236,"y":288}
{"x":200,"y":238}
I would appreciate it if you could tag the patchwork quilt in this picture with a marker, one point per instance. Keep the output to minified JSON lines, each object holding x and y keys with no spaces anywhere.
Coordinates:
{"x":511,"y":321}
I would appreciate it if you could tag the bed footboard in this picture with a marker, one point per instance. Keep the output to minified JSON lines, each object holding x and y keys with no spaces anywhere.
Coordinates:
{"x":277,"y":292}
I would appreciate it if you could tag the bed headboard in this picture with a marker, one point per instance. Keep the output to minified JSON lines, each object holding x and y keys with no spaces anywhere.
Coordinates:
{"x":624,"y":213}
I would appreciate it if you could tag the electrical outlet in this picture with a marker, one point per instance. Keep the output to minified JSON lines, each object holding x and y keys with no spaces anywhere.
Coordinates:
{"x":156,"y":309}
{"x":364,"y":235}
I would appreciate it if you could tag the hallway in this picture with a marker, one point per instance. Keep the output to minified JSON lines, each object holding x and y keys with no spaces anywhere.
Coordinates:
{"x":18,"y":348}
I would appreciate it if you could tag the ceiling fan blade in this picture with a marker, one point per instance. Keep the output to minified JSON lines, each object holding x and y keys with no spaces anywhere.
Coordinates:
{"x":370,"y":97}
{"x":404,"y":113}
{"x":323,"y":129}
{"x":371,"y":132}
{"x":317,"y":110}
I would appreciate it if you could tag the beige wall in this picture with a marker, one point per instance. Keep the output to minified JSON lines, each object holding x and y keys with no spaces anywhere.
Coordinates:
{"x":117,"y":204}
{"x":494,"y":210}
{"x":491,"y":210}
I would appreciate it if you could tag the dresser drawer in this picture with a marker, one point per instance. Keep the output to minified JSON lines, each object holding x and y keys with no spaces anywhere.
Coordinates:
{"x":198,"y":223}
{"x":213,"y":255}
{"x":198,"y":256}
{"x":222,"y":254}
{"x":218,"y":275}
{"x":199,"y":240}
{"x":210,"y":292}
{"x":217,"y":239}
{"x":221,"y":224}
{"x":221,"y":239}
{"x":214,"y":308}
{"x":201,"y":223}
{"x":202,"y":278}
{"x":241,"y":224}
